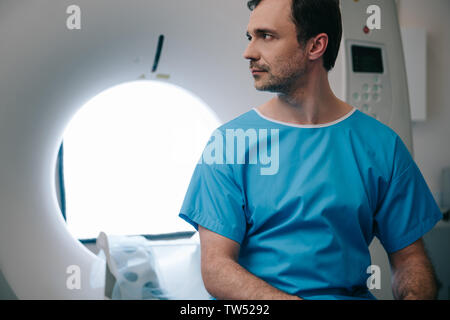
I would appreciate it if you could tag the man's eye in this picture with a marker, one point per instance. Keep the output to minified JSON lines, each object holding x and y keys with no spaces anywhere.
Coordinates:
{"x":265,"y":36}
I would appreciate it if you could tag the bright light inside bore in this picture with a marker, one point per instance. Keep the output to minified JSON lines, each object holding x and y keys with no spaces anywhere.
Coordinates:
{"x":129,"y":154}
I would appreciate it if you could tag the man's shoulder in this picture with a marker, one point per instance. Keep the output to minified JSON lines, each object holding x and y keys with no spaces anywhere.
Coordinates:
{"x":374,"y":131}
{"x":243,"y":121}
{"x":383,"y":142}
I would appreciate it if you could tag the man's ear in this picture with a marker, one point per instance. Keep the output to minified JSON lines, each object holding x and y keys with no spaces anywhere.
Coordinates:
{"x":317,"y":46}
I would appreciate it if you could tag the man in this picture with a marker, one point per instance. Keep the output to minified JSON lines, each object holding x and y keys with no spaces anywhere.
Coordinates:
{"x":342,"y":178}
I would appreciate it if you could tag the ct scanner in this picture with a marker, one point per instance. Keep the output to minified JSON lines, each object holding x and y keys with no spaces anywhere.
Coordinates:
{"x":48,"y":72}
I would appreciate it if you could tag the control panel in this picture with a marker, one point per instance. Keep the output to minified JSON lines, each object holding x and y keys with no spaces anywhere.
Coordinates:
{"x":369,"y":87}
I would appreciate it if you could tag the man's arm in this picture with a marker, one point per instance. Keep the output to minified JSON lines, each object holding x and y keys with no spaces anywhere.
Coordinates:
{"x":413,"y":276}
{"x":224,"y":278}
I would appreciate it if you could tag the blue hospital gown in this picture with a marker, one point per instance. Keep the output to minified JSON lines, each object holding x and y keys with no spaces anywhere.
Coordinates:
{"x":305,"y":228}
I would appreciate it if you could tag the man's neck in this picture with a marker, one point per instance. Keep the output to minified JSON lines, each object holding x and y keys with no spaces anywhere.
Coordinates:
{"x":312,"y":103}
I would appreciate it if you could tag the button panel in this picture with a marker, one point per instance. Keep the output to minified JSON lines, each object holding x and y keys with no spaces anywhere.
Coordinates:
{"x":370,"y":92}
{"x":368,"y":95}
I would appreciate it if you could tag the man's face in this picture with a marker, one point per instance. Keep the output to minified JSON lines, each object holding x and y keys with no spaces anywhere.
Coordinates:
{"x":274,"y":49}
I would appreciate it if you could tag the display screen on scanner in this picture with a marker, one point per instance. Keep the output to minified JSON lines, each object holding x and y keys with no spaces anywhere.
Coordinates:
{"x":367,"y":59}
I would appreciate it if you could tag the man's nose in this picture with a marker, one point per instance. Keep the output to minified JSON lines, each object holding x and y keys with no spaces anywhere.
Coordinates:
{"x":250,"y":52}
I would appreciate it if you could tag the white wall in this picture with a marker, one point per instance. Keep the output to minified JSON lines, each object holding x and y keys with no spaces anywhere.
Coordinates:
{"x":431,"y":137}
